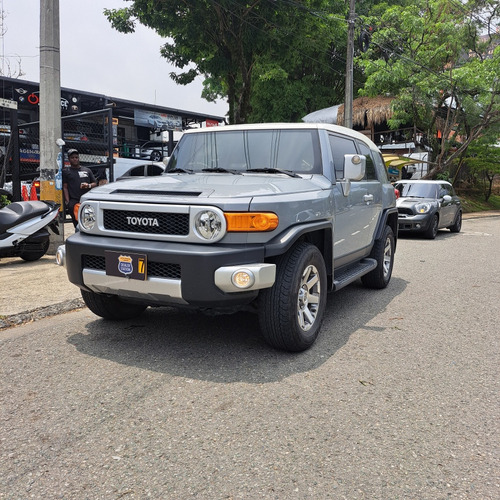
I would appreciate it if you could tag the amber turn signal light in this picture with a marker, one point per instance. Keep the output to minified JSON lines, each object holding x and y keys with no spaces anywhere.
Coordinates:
{"x":248,"y":221}
{"x":75,"y":210}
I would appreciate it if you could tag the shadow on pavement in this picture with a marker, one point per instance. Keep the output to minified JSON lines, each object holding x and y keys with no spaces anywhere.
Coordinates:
{"x":228,"y":348}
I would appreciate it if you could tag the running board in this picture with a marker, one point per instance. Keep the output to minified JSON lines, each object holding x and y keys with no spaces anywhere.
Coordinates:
{"x":352,"y":273}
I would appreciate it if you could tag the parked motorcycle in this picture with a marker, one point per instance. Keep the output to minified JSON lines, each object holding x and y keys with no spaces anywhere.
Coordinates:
{"x":23,"y":228}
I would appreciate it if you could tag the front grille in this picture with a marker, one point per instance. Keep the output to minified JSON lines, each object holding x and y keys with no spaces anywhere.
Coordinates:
{"x":155,"y":269}
{"x":140,"y":222}
{"x":94,"y":262}
{"x":406,"y":211}
{"x":161,"y":270}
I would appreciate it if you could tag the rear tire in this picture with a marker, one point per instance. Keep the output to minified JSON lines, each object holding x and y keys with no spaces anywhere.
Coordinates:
{"x":32,"y":255}
{"x":111,"y":306}
{"x":155,"y":156}
{"x":383,"y":253}
{"x":457,"y":225}
{"x":291,"y":312}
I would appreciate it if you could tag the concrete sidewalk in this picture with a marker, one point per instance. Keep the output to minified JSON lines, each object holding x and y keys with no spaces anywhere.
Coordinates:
{"x":33,"y":290}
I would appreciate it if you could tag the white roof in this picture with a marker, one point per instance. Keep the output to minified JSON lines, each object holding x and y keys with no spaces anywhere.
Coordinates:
{"x":421,"y":181}
{"x":284,"y":126}
{"x":325,"y":115}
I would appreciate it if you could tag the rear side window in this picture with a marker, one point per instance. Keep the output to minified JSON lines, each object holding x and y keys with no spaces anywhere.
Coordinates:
{"x":380,"y":167}
{"x":370,"y":173}
{"x":341,"y":146}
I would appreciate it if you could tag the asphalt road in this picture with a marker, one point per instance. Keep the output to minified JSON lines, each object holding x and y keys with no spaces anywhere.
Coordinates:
{"x":398,"y":399}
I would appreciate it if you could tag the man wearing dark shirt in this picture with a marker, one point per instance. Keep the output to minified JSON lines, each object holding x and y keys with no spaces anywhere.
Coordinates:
{"x":77,"y":180}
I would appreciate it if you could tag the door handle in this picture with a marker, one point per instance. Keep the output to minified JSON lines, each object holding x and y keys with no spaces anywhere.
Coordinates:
{"x":368,"y":197}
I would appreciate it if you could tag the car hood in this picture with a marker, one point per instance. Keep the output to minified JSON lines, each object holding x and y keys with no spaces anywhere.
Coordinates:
{"x":208,"y":186}
{"x":410,"y":201}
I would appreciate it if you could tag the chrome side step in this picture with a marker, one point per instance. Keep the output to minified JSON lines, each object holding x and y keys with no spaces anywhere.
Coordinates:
{"x":350,"y":274}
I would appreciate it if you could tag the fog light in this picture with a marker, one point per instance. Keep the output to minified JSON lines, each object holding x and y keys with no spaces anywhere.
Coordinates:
{"x":417,"y":226}
{"x":243,"y":278}
{"x":60,"y":254}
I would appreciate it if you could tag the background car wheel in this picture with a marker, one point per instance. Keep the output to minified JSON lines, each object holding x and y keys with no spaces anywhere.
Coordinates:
{"x":291,"y":312}
{"x":432,"y":230}
{"x":155,"y":156}
{"x":383,"y":253}
{"x":111,"y":306}
{"x":457,"y":225}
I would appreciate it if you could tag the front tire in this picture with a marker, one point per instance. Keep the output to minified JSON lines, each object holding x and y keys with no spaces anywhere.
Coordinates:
{"x":432,"y":230}
{"x":32,"y":255}
{"x":111,"y":306}
{"x":291,"y":312}
{"x":383,"y":252}
{"x":457,"y":225}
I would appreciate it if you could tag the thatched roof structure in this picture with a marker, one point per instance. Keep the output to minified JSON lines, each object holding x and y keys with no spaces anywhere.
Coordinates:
{"x":368,"y":111}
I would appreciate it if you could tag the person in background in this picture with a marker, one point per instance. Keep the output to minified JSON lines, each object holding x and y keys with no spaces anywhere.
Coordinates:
{"x":77,"y":180}
{"x":100,"y":175}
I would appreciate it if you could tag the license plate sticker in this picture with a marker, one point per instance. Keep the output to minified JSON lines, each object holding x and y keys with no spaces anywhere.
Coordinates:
{"x":126,"y":265}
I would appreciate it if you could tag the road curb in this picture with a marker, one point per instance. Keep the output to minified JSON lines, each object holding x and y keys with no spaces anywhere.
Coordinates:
{"x":40,"y":313}
{"x":480,"y":215}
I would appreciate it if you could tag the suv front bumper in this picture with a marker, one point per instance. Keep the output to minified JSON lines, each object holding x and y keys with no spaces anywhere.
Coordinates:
{"x":202,"y":276}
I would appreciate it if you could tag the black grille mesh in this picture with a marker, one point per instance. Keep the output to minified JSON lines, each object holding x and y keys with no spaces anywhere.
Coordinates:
{"x":171,"y":224}
{"x":155,"y":269}
{"x":94,"y":262}
{"x":406,"y":211}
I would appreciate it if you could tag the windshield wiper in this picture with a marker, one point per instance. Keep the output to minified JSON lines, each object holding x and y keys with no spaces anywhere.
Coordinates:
{"x":269,"y":170}
{"x":221,"y":170}
{"x":177,"y":170}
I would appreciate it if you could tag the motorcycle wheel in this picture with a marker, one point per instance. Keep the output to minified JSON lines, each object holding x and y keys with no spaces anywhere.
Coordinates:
{"x":32,"y":255}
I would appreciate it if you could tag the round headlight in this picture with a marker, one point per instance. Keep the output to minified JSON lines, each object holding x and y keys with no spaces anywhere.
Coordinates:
{"x":208,"y":224}
{"x":87,"y":217}
{"x":422,"y":208}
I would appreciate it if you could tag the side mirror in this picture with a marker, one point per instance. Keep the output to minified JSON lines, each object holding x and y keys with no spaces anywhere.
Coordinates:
{"x":354,"y":167}
{"x":447,"y":198}
{"x":354,"y":170}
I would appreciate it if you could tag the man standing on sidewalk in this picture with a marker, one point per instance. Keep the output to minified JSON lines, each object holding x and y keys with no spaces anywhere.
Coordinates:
{"x":77,"y":180}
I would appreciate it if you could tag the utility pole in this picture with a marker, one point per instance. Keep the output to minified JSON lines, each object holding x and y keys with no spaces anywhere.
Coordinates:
{"x":349,"y":67}
{"x":50,"y":109}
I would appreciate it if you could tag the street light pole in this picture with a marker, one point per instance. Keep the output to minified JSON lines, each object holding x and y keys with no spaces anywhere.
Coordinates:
{"x":50,"y":108}
{"x":349,"y":67}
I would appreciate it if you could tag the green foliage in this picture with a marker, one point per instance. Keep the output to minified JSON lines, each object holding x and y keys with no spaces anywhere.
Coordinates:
{"x":427,"y":55}
{"x":303,"y":72}
{"x":279,"y":60}
{"x":483,"y":164}
{"x":244,"y":50}
{"x":4,"y":201}
{"x":473,"y":201}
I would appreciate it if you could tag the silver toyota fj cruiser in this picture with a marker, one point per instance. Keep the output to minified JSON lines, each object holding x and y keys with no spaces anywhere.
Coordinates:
{"x":267,"y":217}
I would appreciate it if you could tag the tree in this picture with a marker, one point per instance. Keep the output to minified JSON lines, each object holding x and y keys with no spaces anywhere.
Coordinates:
{"x":303,"y":72}
{"x":483,"y":162}
{"x":254,"y":53}
{"x":429,"y":56}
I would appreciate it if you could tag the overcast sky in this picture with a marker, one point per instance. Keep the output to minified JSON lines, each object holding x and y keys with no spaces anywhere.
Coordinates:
{"x":96,"y":58}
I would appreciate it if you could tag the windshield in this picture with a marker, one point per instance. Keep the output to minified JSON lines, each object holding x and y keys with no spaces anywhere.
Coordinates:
{"x":242,"y":150}
{"x":417,"y":190}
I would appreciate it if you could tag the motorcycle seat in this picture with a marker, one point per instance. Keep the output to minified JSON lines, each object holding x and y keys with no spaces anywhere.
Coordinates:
{"x":19,"y":212}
